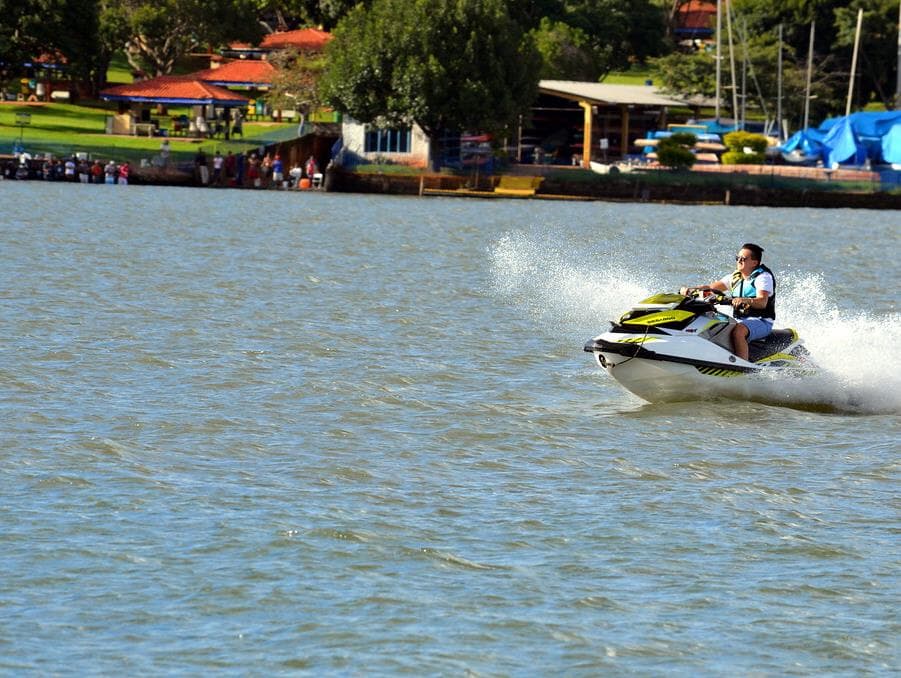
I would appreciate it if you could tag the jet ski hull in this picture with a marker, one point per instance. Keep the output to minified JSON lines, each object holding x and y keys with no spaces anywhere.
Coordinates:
{"x":665,"y":381}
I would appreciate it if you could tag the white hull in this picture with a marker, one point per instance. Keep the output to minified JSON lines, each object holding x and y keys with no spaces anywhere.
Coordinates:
{"x":661,"y":381}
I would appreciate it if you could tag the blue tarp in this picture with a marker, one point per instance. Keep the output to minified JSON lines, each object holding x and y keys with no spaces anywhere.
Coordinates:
{"x":851,"y":139}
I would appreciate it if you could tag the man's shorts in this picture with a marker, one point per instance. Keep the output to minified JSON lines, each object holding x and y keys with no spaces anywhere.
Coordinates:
{"x":758,"y":328}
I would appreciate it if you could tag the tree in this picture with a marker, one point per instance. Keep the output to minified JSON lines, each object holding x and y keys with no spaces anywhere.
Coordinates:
{"x":686,"y":74}
{"x":565,"y":51}
{"x":295,"y":82}
{"x":294,"y":13}
{"x":606,"y":35}
{"x":66,"y":28}
{"x":675,"y":151}
{"x":442,"y":64}
{"x":156,"y":34}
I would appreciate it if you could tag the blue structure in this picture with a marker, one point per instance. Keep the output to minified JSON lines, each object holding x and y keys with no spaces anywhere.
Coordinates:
{"x":853,"y":139}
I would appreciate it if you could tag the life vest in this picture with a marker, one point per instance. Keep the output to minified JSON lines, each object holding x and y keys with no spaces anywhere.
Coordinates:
{"x":740,"y":289}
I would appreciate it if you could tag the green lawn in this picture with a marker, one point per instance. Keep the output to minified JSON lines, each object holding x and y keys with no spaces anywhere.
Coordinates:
{"x":634,"y":76}
{"x":64,"y":129}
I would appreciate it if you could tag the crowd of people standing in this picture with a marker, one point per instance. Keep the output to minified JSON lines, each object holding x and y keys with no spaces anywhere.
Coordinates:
{"x":73,"y":168}
{"x":236,"y":170}
{"x":253,"y":170}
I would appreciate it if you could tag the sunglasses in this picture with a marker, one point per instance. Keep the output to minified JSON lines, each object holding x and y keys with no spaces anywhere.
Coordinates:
{"x":741,"y":260}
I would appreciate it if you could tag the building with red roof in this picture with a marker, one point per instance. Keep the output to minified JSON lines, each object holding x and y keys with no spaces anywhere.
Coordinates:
{"x":306,"y":40}
{"x":249,"y":73}
{"x":170,"y":90}
{"x":179,"y":90}
{"x":696,"y":20}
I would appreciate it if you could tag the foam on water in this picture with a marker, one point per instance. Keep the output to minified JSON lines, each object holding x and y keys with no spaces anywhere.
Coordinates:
{"x":575,"y":292}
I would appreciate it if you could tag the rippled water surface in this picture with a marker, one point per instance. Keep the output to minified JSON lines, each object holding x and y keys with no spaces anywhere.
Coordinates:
{"x":257,"y":433}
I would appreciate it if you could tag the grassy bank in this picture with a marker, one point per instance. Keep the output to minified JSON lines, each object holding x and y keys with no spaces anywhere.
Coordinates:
{"x":64,"y":129}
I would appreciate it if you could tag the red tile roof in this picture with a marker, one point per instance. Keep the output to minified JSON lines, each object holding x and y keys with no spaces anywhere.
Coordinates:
{"x":697,"y":14}
{"x":303,"y":39}
{"x":246,"y":72}
{"x":172,"y":89}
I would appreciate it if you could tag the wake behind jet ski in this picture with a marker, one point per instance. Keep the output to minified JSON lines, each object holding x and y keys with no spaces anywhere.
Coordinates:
{"x":678,"y":347}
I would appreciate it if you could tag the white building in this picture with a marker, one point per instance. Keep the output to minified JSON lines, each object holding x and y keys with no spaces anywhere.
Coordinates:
{"x":366,"y":143}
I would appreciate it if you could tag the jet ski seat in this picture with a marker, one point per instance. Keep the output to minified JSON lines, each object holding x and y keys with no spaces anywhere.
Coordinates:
{"x":775,"y":342}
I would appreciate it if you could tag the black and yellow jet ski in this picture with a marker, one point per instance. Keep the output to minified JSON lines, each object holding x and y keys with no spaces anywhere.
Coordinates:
{"x":672,"y":347}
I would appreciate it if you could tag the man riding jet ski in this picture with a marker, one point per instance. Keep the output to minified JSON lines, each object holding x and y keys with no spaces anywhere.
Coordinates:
{"x":753,"y":289}
{"x":680,"y":347}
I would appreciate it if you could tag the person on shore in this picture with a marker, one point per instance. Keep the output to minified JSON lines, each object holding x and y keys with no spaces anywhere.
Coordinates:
{"x":296,"y":173}
{"x":69,"y":170}
{"x":312,"y":168}
{"x":124,"y":171}
{"x":278,"y":171}
{"x":753,"y":290}
{"x":97,"y":172}
{"x":200,"y":165}
{"x":253,"y":170}
{"x":164,"y":153}
{"x":84,"y":171}
{"x":111,"y":171}
{"x":266,"y":170}
{"x":240,"y":169}
{"x":218,"y":164}
{"x":231,"y":167}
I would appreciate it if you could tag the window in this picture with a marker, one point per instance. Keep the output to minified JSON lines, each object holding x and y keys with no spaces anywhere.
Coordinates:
{"x":388,"y":140}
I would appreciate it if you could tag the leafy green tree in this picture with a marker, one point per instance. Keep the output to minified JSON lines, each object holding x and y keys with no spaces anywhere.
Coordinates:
{"x":155,"y":34}
{"x":32,"y":28}
{"x":289,"y":13}
{"x":20,"y":33}
{"x":565,"y":51}
{"x":675,"y":151}
{"x":442,"y":64}
{"x":686,"y":74}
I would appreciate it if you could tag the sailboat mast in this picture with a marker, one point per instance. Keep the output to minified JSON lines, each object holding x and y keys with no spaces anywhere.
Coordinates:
{"x":779,"y":92}
{"x":898,"y":84}
{"x":813,"y":28}
{"x":854,"y":61}
{"x":719,"y":61}
{"x":732,"y":61}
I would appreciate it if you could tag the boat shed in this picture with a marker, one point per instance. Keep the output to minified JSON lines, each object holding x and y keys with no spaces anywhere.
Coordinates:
{"x":611,"y":114}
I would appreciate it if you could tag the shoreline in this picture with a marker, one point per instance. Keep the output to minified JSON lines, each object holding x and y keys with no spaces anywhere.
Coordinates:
{"x":637,"y":187}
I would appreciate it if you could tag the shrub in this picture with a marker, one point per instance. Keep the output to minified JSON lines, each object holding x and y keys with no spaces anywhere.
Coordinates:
{"x":675,"y":151}
{"x":745,"y":148}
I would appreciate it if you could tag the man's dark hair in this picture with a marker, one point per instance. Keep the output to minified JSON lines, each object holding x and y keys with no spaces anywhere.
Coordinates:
{"x":756,"y":250}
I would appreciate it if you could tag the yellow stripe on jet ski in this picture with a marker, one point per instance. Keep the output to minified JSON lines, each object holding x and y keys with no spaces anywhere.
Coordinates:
{"x":636,"y":340}
{"x":718,"y":372}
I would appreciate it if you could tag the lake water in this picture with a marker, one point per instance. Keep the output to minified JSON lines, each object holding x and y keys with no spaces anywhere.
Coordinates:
{"x":291,"y":433}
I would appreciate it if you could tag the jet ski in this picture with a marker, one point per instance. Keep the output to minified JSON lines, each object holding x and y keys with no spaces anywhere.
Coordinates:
{"x":671,"y":347}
